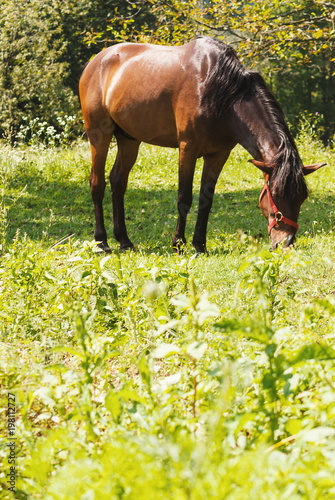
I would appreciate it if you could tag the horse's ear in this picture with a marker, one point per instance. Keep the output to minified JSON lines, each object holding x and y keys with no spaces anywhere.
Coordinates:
{"x":309,"y":169}
{"x":262,"y":166}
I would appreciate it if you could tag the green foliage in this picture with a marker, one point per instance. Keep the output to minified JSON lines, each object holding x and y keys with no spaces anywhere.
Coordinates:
{"x":46,"y":45}
{"x":32,"y":71}
{"x":157,"y":376}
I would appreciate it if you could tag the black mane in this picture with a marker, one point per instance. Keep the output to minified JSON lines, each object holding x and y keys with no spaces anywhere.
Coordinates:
{"x":287,"y":178}
{"x":228,"y":82}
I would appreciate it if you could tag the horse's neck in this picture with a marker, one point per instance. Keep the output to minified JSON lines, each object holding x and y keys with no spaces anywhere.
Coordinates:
{"x":255,"y":130}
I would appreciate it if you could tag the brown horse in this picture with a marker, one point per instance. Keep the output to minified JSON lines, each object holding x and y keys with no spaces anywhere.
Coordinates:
{"x":200,"y":99}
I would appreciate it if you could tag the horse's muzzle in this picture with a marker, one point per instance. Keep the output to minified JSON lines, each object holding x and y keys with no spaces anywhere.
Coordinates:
{"x":287,"y":242}
{"x":290,"y":240}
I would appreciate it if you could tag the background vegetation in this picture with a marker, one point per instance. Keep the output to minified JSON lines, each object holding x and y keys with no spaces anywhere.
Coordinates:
{"x":160,"y":376}
{"x":45,"y":45}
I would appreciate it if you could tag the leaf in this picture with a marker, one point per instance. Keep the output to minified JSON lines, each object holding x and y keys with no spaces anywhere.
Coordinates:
{"x":50,"y":277}
{"x":293,"y":426}
{"x":166,"y":326}
{"x":103,"y":261}
{"x":75,"y":258}
{"x":130,"y":394}
{"x":327,"y":305}
{"x":108,"y":275}
{"x":197,"y":349}
{"x":43,"y":416}
{"x":172,"y":379}
{"x":245,"y":419}
{"x":314,"y":352}
{"x":244,"y":266}
{"x":206,"y":309}
{"x":165,"y":350}
{"x":110,"y":355}
{"x":317,"y":434}
{"x":45,"y":395}
{"x":113,"y":404}
{"x":167,"y":382}
{"x":181,"y":301}
{"x":144,"y":369}
{"x":71,"y":351}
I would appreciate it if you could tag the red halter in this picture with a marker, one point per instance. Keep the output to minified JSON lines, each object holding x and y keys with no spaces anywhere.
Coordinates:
{"x":278,"y":216}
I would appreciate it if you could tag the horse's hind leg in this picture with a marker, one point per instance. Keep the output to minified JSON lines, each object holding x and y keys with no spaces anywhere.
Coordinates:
{"x":125,"y":159}
{"x":99,"y":143}
{"x":100,"y":138}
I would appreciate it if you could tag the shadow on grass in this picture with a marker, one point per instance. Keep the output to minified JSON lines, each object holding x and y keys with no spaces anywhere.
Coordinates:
{"x":54,"y":210}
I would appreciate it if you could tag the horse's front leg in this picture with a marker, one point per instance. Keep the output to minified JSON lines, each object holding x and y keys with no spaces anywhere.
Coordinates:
{"x":187,"y":160}
{"x":213,"y":165}
{"x":125,"y":159}
{"x":99,"y":144}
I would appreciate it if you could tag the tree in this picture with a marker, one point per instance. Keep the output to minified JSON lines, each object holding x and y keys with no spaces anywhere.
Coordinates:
{"x":293,"y":44}
{"x":45,"y":46}
{"x":32,"y":70}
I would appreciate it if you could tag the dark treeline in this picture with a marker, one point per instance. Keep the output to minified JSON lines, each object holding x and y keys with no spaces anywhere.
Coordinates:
{"x":45,"y":45}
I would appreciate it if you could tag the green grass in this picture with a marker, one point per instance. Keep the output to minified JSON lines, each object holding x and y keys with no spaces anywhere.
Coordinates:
{"x":160,"y":376}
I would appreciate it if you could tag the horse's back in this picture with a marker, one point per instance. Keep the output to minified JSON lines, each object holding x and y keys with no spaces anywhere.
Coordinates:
{"x":152,"y":92}
{"x":123,"y":59}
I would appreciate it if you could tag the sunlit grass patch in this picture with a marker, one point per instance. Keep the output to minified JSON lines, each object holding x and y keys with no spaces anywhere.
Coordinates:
{"x":153,"y":375}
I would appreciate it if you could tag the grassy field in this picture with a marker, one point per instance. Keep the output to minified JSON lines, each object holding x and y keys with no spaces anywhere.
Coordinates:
{"x":151,"y":375}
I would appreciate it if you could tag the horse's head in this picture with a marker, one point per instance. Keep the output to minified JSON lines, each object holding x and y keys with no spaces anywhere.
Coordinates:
{"x":281,"y":212}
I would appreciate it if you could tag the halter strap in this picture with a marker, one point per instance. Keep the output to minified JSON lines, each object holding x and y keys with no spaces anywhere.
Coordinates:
{"x":278,"y":216}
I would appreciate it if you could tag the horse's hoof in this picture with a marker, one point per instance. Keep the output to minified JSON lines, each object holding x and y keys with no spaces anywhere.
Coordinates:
{"x":103,"y":248}
{"x":200,"y":250}
{"x":126,"y":247}
{"x":179,"y":246}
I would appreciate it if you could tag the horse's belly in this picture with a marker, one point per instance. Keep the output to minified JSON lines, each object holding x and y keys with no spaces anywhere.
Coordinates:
{"x":147,"y":122}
